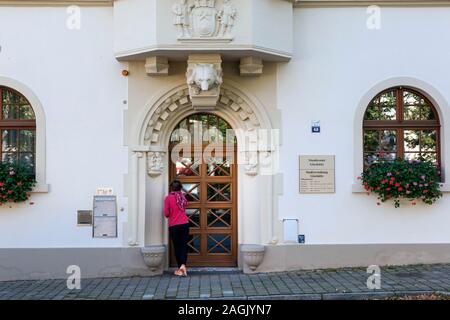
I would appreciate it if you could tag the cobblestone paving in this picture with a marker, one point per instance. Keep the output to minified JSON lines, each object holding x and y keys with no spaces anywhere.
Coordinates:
{"x":348,"y":283}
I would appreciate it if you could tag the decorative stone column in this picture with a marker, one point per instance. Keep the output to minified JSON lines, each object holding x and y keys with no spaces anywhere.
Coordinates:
{"x":154,"y":251}
{"x":135,"y":201}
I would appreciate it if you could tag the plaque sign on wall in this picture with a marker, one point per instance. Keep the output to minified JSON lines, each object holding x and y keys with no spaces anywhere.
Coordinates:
{"x":317,"y":174}
{"x":105,"y":217}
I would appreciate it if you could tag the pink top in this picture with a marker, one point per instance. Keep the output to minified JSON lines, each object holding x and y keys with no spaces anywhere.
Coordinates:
{"x":173,"y":212}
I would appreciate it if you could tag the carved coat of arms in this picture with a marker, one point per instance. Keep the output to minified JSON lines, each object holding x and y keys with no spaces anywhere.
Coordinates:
{"x":204,"y":21}
{"x":201,"y":19}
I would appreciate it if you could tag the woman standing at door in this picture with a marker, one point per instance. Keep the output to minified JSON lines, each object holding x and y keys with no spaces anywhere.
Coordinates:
{"x":175,"y":210}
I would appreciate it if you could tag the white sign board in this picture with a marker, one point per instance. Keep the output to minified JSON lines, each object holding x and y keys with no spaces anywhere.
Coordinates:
{"x":317,"y":174}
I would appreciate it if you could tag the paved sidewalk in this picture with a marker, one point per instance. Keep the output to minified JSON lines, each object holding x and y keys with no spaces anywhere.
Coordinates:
{"x":349,"y":283}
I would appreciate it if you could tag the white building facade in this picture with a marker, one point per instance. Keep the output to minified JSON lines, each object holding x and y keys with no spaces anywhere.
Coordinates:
{"x":110,"y":81}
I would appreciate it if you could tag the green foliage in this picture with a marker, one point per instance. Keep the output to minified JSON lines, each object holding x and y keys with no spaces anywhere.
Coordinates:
{"x":401,"y":179}
{"x":16,"y":183}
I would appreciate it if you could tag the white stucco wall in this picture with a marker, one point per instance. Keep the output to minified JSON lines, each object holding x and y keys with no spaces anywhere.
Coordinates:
{"x":78,"y":81}
{"x":337,"y":61}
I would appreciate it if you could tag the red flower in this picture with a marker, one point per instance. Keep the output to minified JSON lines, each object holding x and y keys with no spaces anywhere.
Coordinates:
{"x":9,"y":191}
{"x":400,"y":189}
{"x":425,"y":191}
{"x":1,"y":184}
{"x":397,"y":184}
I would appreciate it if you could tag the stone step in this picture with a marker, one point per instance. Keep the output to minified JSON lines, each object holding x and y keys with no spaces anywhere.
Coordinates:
{"x":207,"y":270}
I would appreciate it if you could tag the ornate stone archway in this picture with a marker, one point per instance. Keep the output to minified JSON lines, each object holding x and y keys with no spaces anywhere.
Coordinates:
{"x":150,"y":173}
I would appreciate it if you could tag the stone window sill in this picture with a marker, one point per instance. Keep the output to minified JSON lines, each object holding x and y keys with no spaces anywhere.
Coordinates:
{"x":41,"y":188}
{"x":357,"y":188}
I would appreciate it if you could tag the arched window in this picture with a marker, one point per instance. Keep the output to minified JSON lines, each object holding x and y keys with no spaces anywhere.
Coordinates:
{"x":203,"y":128}
{"x":17,"y":129}
{"x":401,"y":123}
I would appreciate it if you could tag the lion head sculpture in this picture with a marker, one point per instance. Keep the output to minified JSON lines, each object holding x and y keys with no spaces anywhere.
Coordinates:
{"x":204,"y":77}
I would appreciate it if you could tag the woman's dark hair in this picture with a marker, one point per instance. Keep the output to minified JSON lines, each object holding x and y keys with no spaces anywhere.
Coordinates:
{"x":176,"y":186}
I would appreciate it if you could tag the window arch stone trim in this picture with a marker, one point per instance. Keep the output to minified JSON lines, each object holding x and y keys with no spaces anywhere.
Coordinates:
{"x":41,"y":186}
{"x":431,"y":93}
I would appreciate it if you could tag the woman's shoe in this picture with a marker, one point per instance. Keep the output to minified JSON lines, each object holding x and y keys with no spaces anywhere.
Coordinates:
{"x":183,"y":270}
{"x":179,"y":273}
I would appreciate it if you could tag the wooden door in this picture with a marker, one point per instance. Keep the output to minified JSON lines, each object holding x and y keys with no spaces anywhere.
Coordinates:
{"x":210,"y":185}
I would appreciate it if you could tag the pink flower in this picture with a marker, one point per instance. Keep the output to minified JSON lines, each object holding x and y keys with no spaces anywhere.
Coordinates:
{"x":389,"y":174}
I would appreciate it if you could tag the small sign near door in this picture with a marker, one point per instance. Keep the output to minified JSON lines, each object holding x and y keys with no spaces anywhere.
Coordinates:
{"x":315,"y":126}
{"x":104,"y":191}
